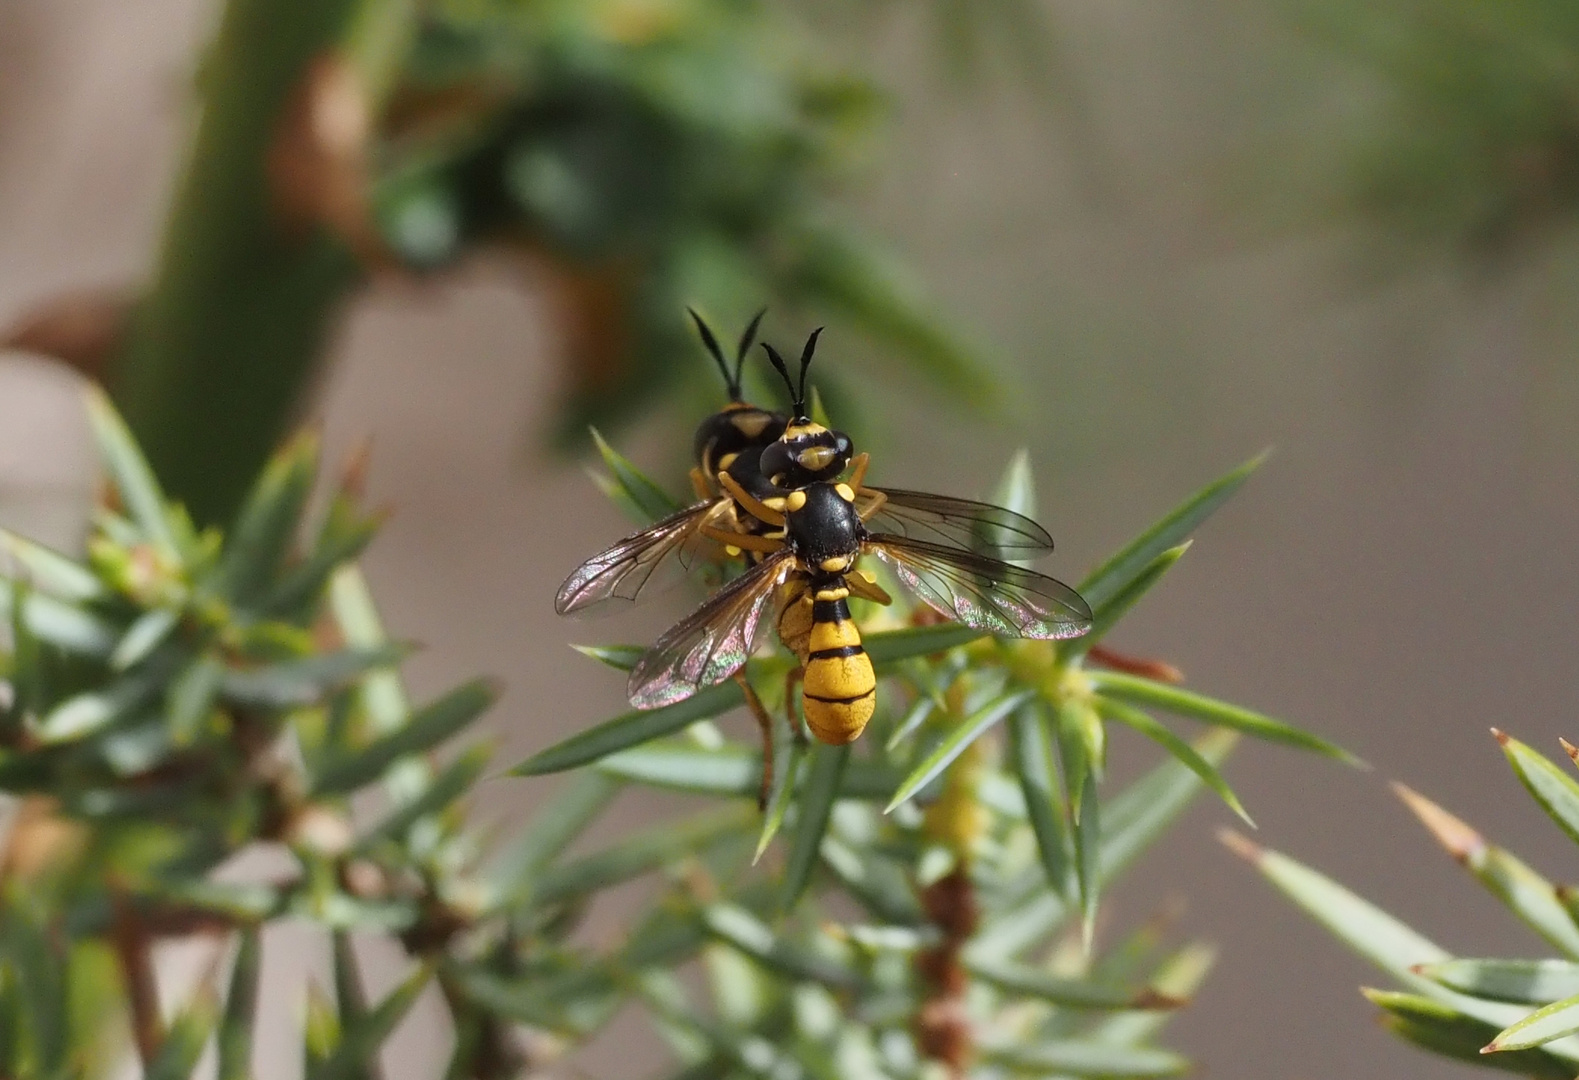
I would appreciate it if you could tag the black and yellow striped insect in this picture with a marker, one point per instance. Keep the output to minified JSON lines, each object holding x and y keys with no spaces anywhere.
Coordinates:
{"x":726,"y":443}
{"x":950,"y":552}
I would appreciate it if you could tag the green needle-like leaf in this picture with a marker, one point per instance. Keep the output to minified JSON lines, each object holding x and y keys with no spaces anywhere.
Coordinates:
{"x":1367,"y":929}
{"x":1551,"y":786}
{"x":51,"y":571}
{"x":638,"y":854}
{"x":1088,"y":854}
{"x":190,"y":699}
{"x":1530,"y":982}
{"x":1540,"y":1027}
{"x":642,"y":499}
{"x":84,"y":714}
{"x":453,"y":782}
{"x":888,"y":647}
{"x":1112,"y":577}
{"x":1177,"y":977}
{"x":812,"y":810}
{"x":1086,"y":1058}
{"x":1183,"y":751}
{"x":955,"y":742}
{"x":259,"y":541}
{"x":429,"y":727}
{"x":618,"y":657}
{"x":1030,"y":756}
{"x":744,"y":931}
{"x":361,"y":1039}
{"x":1378,"y":937}
{"x":183,"y":1043}
{"x":56,"y":623}
{"x":143,"y":637}
{"x":1142,"y":812}
{"x":1523,"y":891}
{"x":543,"y":838}
{"x":1444,"y":1030}
{"x":1147,"y":692}
{"x":241,"y":1005}
{"x":631,"y":729}
{"x":1117,"y":606}
{"x":304,"y":681}
{"x":129,"y":471}
{"x":1023,"y":979}
{"x":787,"y":778}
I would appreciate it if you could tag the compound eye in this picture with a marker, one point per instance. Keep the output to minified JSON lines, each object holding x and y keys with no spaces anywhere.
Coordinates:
{"x":816,"y":458}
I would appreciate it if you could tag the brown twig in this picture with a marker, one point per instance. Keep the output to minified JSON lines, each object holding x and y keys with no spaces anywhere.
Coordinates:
{"x":133,"y":947}
{"x":943,"y":1029}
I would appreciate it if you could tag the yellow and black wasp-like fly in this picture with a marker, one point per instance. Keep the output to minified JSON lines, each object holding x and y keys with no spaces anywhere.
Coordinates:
{"x":810,"y":530}
{"x":727,"y":442}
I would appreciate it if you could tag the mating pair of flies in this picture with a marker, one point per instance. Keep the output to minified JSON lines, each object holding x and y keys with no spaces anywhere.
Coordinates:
{"x":790,"y":498}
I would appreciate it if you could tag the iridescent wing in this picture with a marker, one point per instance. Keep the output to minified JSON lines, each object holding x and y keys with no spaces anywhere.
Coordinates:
{"x":624,"y":570}
{"x":984,"y":592}
{"x":958,"y":523}
{"x":711,"y":643}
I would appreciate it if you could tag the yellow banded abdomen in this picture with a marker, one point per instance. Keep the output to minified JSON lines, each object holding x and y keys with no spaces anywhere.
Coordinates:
{"x":840,"y":687}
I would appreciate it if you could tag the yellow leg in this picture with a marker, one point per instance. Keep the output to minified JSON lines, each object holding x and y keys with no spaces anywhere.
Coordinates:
{"x":859,"y":464}
{"x":741,"y":540}
{"x":765,"y":723}
{"x":699,"y":484}
{"x":752,"y":505}
{"x":878,"y":499}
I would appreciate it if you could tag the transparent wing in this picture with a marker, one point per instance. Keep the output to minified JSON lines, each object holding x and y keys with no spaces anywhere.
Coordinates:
{"x":960,"y":523}
{"x":624,"y":570}
{"x":984,"y":592}
{"x":711,"y":643}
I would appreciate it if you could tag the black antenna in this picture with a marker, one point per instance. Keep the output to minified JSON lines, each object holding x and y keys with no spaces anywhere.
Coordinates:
{"x":745,"y":347}
{"x":711,"y":343}
{"x":805,"y":363}
{"x":783,"y":370}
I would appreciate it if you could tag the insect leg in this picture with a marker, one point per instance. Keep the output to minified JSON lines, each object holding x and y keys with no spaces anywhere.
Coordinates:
{"x":741,"y":540}
{"x":765,"y":722}
{"x":791,"y":678}
{"x":859,"y":464}
{"x":878,"y":499}
{"x":699,"y":484}
{"x":752,"y":504}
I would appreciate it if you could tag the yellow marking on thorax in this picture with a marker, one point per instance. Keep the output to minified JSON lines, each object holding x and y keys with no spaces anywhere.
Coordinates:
{"x":835,"y":564}
{"x":774,"y":503}
{"x":795,"y":500}
{"x":726,"y":461}
{"x":751,"y":426}
{"x":833,"y":594}
{"x":846,"y":492}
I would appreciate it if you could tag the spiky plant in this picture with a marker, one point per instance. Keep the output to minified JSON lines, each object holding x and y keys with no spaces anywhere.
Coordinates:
{"x":1517,"y":1015}
{"x":969,"y":861}
{"x":183,"y":701}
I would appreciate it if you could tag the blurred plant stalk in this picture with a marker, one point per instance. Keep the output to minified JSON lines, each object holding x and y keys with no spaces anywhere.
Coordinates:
{"x":258,"y":250}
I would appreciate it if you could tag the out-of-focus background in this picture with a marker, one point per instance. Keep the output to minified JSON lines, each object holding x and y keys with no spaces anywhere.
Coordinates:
{"x":1162,"y":243}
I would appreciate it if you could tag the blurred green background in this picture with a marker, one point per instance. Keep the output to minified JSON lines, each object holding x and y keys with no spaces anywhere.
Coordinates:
{"x":1177,"y":235}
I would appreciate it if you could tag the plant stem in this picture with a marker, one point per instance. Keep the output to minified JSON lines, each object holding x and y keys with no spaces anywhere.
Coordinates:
{"x":132,"y":947}
{"x":219,"y":353}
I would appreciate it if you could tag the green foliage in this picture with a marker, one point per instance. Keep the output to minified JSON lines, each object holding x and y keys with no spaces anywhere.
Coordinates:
{"x":969,"y":865}
{"x":641,"y":156}
{"x":1469,"y":135}
{"x":185,"y":696}
{"x":1477,"y":1010}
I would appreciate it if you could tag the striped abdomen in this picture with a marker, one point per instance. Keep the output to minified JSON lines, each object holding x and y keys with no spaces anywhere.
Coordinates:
{"x":840,"y":688}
